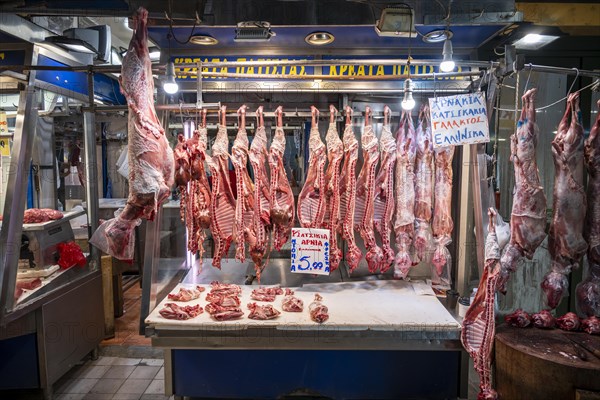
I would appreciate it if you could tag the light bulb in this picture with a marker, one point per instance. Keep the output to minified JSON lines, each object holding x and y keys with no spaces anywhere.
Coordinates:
{"x":170,"y":86}
{"x":408,"y":103}
{"x":447,"y":64}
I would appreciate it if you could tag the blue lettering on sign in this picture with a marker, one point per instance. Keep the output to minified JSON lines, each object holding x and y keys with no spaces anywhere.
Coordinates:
{"x":304,"y":259}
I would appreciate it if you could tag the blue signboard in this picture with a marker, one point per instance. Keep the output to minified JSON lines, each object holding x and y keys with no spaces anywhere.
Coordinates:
{"x":12,"y":57}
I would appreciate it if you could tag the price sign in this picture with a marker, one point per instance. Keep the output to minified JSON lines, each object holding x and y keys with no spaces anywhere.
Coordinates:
{"x":458,"y":120}
{"x":310,"y":251}
{"x":3,"y":124}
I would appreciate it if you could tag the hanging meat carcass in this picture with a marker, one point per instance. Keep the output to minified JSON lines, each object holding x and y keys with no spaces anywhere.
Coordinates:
{"x":311,"y":201}
{"x":479,"y":325}
{"x":365,"y":195}
{"x":565,"y":238}
{"x":424,"y":172}
{"x":282,"y":198}
{"x":348,"y":193}
{"x":151,"y":162}
{"x":222,"y":205}
{"x":335,"y":153}
{"x":588,"y":291}
{"x":384,"y":191}
{"x":404,"y":182}
{"x":528,"y":219}
{"x":244,"y":207}
{"x":261,"y":221}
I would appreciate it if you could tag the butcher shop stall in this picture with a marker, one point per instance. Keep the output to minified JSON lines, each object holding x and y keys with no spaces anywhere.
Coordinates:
{"x":352,"y":199}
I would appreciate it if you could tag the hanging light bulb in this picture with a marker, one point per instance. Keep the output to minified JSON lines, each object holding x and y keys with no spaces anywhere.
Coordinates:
{"x":169,"y":84}
{"x":408,"y":103}
{"x":447,"y":64}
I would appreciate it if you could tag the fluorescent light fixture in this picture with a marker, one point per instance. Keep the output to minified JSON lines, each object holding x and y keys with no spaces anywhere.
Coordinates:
{"x":253,"y":31}
{"x":319,"y":38}
{"x":396,"y":21}
{"x":447,"y":64}
{"x":408,"y":103}
{"x":154,"y":53}
{"x":169,"y":84}
{"x":534,"y":41}
{"x":76,"y":45}
{"x":203,"y":40}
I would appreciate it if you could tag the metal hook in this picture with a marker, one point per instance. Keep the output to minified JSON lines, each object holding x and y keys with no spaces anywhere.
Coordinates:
{"x":574,"y":80}
{"x":527,"y":81}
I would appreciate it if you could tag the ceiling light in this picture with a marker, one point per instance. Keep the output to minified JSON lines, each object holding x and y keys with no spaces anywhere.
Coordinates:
{"x":169,"y":84}
{"x":447,"y":64}
{"x":408,"y":103}
{"x":396,"y":21}
{"x":253,"y":31}
{"x":534,"y":41}
{"x":319,"y":38}
{"x":204,"y":40}
{"x":437,"y":36}
{"x":76,"y":45}
{"x":154,"y":53}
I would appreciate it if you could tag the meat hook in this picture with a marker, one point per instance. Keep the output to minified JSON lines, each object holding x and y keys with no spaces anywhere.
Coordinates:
{"x":332,"y":113}
{"x":279,"y":114}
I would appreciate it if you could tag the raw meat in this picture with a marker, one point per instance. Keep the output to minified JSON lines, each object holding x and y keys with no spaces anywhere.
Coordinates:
{"x":182,"y":175}
{"x":263,"y":312}
{"x":335,"y":152}
{"x":348,"y":193}
{"x":424,"y":171}
{"x":291,"y":303}
{"x":404,"y":182}
{"x":544,"y":320}
{"x":225,"y":288}
{"x":442,"y":213}
{"x":588,"y":291}
{"x":365,"y":195}
{"x":591,"y":325}
{"x":222,"y":204}
{"x":528,"y":219}
{"x":186,"y":294}
{"x":70,"y":255}
{"x":26,"y":284}
{"x":384,"y":191}
{"x":261,"y":221}
{"x":565,"y":238}
{"x":479,"y":325}
{"x":318,"y":311}
{"x":519,"y":319}
{"x":244,"y":206}
{"x":311,"y":201}
{"x":151,"y":161}
{"x":281,"y":195}
{"x":266,"y":294}
{"x":226,"y":315}
{"x":173,"y":311}
{"x":223,"y":300}
{"x":568,"y":322}
{"x":41,"y":215}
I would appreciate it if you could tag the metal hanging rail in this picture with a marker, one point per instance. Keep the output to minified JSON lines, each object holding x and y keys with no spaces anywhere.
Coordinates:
{"x":334,"y":77}
{"x":561,"y":70}
{"x":333,"y":62}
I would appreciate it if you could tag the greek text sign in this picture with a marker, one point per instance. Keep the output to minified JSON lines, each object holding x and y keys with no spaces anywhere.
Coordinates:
{"x":310,"y":251}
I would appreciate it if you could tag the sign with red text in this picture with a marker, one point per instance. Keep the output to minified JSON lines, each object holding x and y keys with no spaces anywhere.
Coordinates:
{"x":458,"y":120}
{"x":310,"y":251}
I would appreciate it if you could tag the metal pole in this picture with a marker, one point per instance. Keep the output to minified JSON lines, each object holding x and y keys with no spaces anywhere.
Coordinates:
{"x":560,"y":70}
{"x":220,"y":64}
{"x":91,"y":171}
{"x":332,"y":77}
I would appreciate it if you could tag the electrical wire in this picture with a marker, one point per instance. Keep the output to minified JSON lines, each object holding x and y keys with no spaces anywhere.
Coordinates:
{"x":170,"y":18}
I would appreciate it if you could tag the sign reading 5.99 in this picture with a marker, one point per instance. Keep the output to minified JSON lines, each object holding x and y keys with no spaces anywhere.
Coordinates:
{"x":310,"y":251}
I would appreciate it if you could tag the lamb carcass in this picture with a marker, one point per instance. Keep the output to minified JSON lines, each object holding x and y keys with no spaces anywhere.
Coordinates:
{"x":311,"y":201}
{"x":365,"y":195}
{"x":424,"y":171}
{"x":222,"y":204}
{"x":182,"y":173}
{"x":384,"y":191}
{"x":404,"y":182}
{"x":528,"y":219}
{"x":335,"y":152}
{"x":479,"y":325}
{"x":151,"y":161}
{"x":588,"y":291}
{"x":348,"y":193}
{"x":261,"y":221}
{"x":281,"y":195}
{"x":565,"y":238}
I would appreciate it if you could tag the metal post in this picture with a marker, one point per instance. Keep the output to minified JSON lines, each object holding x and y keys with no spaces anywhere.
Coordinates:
{"x":91,"y":171}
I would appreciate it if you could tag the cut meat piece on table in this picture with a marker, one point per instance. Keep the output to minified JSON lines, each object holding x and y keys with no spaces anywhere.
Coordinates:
{"x":225,"y":288}
{"x":318,"y":311}
{"x":173,"y":311}
{"x":41,"y":215}
{"x":528,"y":218}
{"x":26,"y":284}
{"x":424,"y":171}
{"x":281,"y":195}
{"x":365,"y":195}
{"x":565,"y":238}
{"x":311,"y":201}
{"x":261,"y":221}
{"x":348,"y":193}
{"x":404,"y":182}
{"x":227,"y":315}
{"x":262,"y":312}
{"x":591,"y":325}
{"x":384,"y":191}
{"x":335,"y":153}
{"x":244,"y":206}
{"x":266,"y":294}
{"x":186,"y":294}
{"x":588,"y":291}
{"x":568,"y":322}
{"x":519,"y":319}
{"x":222,"y":204}
{"x":291,"y":303}
{"x":224,"y":300}
{"x":151,"y":161}
{"x":543,"y":320}
{"x":479,"y":325}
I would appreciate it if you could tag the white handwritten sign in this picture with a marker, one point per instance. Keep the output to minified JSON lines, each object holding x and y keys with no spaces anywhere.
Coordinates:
{"x":458,"y":120}
{"x":310,"y":251}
